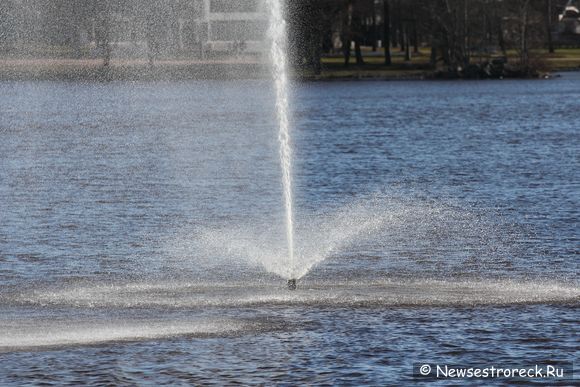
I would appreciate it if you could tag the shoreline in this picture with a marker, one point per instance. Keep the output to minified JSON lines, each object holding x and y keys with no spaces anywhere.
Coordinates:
{"x":176,"y":70}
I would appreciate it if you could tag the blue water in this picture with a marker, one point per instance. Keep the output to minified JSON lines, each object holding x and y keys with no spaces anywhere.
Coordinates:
{"x":141,"y":231}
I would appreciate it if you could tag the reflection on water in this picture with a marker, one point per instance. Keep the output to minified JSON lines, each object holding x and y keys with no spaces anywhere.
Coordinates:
{"x":435,"y":221}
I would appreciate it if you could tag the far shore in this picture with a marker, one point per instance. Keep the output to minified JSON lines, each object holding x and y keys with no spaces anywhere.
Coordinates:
{"x":333,"y":68}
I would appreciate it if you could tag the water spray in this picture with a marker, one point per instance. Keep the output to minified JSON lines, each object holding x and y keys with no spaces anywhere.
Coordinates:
{"x":279,"y":58}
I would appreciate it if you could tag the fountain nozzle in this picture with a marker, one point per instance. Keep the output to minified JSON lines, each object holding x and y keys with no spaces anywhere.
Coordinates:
{"x":292,"y":284}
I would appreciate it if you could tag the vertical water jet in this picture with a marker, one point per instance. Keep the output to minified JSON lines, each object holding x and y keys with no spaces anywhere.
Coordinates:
{"x":279,"y":59}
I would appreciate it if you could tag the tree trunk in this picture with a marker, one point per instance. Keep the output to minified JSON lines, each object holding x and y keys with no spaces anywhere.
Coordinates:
{"x":106,"y":43}
{"x":395,"y":25}
{"x":400,"y":26}
{"x":317,"y":53}
{"x":346,"y":42}
{"x":549,"y":26}
{"x":107,"y":56}
{"x":406,"y":43}
{"x":374,"y":27}
{"x":358,"y":33}
{"x":433,"y":59}
{"x":401,"y":37}
{"x":466,"y":50}
{"x":415,"y":37}
{"x":357,"y":49}
{"x":318,"y":40}
{"x":524,"y":55}
{"x":347,"y":33}
{"x":500,"y":37}
{"x":387,"y":31}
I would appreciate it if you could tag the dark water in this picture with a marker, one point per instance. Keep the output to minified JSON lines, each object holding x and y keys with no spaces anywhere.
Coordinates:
{"x":141,"y":236}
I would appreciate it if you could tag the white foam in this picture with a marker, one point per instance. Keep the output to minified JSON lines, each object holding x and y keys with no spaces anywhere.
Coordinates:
{"x":38,"y":334}
{"x":380,"y":293}
{"x":49,"y":322}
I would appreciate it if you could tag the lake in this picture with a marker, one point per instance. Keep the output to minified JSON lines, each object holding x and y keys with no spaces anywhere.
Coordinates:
{"x":142,"y":235}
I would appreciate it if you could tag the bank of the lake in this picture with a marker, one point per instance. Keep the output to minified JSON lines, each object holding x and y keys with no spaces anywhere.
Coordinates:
{"x":332,"y":68}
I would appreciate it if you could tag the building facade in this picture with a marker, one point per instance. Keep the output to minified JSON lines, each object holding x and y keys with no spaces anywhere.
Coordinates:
{"x":233,"y":26}
{"x":132,"y":28}
{"x":570,"y":18}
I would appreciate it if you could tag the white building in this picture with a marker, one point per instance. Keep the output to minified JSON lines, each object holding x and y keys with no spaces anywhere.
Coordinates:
{"x":233,"y":26}
{"x":570,"y":18}
{"x":204,"y":28}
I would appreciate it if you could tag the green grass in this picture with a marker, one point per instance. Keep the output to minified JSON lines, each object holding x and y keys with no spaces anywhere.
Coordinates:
{"x":565,"y":58}
{"x":333,"y":66}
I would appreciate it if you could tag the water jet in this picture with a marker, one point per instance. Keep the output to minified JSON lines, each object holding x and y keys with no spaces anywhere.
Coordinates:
{"x":279,"y":59}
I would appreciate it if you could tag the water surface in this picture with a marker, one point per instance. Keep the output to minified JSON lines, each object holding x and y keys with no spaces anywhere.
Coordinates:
{"x":142,"y":230}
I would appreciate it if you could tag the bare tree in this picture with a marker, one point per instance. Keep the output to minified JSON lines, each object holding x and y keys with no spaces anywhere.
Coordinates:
{"x":548,"y":19}
{"x":347,"y":31}
{"x":103,"y":17}
{"x":357,"y":29}
{"x":387,"y":31}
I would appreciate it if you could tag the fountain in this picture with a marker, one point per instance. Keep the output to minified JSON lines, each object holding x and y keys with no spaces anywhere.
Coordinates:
{"x":184,"y":214}
{"x":279,"y":59}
